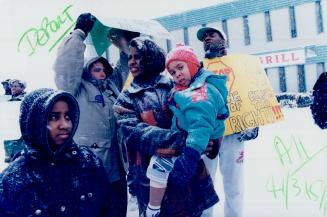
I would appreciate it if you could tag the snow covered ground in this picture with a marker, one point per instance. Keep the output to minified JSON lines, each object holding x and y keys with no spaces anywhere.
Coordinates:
{"x":285,"y":167}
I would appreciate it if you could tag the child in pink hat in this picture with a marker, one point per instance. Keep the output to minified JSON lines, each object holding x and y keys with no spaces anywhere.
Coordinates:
{"x":198,"y":102}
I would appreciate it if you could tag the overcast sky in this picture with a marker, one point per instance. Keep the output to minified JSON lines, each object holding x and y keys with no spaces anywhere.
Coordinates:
{"x":156,"y":8}
{"x":18,"y":17}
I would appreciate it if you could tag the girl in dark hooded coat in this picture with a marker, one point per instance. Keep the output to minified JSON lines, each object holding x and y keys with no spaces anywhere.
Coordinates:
{"x":54,"y":176}
{"x":145,"y":121}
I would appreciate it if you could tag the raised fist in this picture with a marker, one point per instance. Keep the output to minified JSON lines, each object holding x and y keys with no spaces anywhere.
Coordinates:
{"x":85,"y":22}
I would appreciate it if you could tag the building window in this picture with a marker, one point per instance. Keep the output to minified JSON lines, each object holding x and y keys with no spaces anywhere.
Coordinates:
{"x":168,"y":42}
{"x":225,"y":29}
{"x":319,"y":19}
{"x":320,"y":68}
{"x":186,"y":38}
{"x":301,"y":79}
{"x":292,"y":22}
{"x":282,"y":79}
{"x":246,"y":30}
{"x":268,"y":26}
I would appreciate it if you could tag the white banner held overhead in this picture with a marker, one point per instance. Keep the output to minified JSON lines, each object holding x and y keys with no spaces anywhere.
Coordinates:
{"x":147,"y":27}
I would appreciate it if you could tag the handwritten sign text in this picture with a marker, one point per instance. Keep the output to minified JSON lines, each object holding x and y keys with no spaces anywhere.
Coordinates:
{"x":36,"y":37}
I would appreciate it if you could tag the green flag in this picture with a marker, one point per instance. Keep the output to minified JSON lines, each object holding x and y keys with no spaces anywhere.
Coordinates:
{"x":99,"y":37}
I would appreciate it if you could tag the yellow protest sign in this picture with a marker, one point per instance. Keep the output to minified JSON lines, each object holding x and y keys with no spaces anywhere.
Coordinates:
{"x":251,"y":99}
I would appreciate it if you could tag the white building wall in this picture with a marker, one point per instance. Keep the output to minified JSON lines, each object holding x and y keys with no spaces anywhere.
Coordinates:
{"x":291,"y":79}
{"x":215,"y":25}
{"x":310,"y":75}
{"x":194,"y":42}
{"x":280,"y":29}
{"x":161,"y":42}
{"x":322,"y":37}
{"x":236,"y":35}
{"x":306,"y":24}
{"x":178,"y":37}
{"x":257,"y":33}
{"x":273,"y":76}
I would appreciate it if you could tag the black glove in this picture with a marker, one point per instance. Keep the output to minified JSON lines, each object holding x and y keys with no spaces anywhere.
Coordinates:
{"x":85,"y":22}
{"x":215,"y":146}
{"x":185,"y":167}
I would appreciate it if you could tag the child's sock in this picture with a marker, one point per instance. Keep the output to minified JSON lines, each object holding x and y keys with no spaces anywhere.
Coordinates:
{"x":152,"y":211}
{"x":157,"y":192}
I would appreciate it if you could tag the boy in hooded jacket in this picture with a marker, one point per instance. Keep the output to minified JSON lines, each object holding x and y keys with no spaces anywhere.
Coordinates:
{"x":199,"y":104}
{"x":54,"y":176}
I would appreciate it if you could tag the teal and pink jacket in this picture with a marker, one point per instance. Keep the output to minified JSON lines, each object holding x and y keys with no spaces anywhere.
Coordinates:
{"x":201,"y":108}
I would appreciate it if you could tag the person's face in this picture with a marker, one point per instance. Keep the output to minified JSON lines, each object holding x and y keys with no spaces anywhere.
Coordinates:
{"x":180,"y":73}
{"x":59,"y":123}
{"x":16,"y":88}
{"x":211,"y":39}
{"x":134,"y":65}
{"x":97,"y":71}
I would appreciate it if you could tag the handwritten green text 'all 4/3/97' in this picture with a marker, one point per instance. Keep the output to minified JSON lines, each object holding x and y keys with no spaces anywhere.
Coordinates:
{"x":36,"y":37}
{"x":295,"y":157}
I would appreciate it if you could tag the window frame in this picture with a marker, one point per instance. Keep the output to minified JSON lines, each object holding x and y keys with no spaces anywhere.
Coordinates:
{"x":246,"y":30}
{"x":292,"y":19}
{"x":268,"y":28}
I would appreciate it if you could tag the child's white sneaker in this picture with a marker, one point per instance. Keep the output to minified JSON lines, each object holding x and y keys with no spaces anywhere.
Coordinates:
{"x":152,"y":212}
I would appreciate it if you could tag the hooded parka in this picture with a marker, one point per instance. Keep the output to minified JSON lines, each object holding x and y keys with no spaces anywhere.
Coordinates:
{"x":97,"y":128}
{"x":69,"y":181}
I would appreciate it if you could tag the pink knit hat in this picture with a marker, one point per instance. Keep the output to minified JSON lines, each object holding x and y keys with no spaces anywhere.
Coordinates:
{"x":185,"y":54}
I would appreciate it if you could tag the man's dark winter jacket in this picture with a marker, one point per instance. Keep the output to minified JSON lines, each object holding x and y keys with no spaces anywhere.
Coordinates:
{"x":42,"y":182}
{"x":145,"y":121}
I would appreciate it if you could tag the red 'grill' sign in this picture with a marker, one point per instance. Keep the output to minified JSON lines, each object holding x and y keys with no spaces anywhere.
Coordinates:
{"x":285,"y":58}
